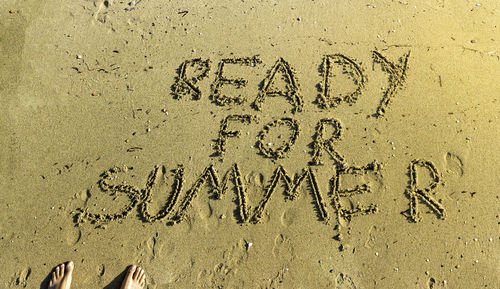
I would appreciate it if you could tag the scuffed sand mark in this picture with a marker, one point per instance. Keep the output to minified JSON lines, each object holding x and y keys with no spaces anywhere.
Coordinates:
{"x":371,"y":237}
{"x":237,"y":254}
{"x":433,"y":283}
{"x":101,"y":14}
{"x":276,"y":281}
{"x":345,"y":282}
{"x":101,"y":270}
{"x":223,"y":272}
{"x":20,"y":278}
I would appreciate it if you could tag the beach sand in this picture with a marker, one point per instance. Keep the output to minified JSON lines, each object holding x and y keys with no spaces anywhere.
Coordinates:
{"x":251,"y":144}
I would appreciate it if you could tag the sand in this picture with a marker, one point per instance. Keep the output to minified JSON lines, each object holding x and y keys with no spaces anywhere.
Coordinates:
{"x":251,"y":144}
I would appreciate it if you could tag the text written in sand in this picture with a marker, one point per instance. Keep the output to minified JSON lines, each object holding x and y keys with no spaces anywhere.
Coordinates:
{"x":280,"y":81}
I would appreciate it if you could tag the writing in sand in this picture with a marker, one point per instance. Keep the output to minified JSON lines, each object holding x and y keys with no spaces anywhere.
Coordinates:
{"x":328,"y":206}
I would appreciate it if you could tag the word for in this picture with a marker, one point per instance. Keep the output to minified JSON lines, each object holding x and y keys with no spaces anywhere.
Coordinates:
{"x":176,"y":207}
{"x":321,"y":142}
{"x":192,"y":71}
{"x":274,"y":153}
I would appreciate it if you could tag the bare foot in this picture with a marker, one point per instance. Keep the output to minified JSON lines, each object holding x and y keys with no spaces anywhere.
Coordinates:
{"x":135,"y":278}
{"x":61,"y":277}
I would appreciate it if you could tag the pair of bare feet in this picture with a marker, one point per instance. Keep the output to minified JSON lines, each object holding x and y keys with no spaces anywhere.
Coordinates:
{"x":62,"y":274}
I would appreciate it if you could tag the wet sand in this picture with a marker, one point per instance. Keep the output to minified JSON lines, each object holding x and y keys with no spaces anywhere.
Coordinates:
{"x":250,"y":144}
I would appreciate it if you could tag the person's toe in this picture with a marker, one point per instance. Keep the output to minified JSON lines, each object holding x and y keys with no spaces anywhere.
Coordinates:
{"x":58,"y":274}
{"x":53,"y":279}
{"x":142,"y":280}
{"x":69,"y":267}
{"x":61,"y":269}
{"x":137,"y":273}
{"x":143,"y":274}
{"x":131,"y":271}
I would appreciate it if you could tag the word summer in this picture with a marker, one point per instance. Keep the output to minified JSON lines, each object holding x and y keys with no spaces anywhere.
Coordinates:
{"x":177,"y":204}
{"x":281,"y":81}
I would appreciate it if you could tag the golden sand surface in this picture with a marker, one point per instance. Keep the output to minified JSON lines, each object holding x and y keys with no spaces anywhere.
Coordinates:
{"x":251,"y":144}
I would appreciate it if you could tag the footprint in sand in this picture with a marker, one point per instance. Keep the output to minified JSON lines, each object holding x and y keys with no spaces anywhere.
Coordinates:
{"x":255,"y":181}
{"x":205,"y":212}
{"x":83,"y":196}
{"x":454,"y":164}
{"x":289,"y":216}
{"x":96,"y":277}
{"x":151,"y":248}
{"x":20,"y":278}
{"x":283,"y":249}
{"x":73,"y":236}
{"x":237,"y":254}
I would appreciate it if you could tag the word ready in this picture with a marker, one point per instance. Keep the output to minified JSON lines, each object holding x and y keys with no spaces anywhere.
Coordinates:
{"x":193,"y":71}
